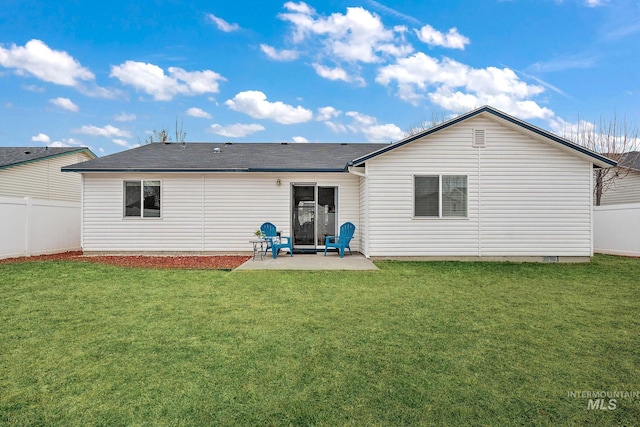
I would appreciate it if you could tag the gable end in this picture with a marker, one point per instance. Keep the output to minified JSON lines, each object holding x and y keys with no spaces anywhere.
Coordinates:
{"x":595,"y":158}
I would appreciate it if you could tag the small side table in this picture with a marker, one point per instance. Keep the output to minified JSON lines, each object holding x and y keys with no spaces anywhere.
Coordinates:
{"x":258,"y":248}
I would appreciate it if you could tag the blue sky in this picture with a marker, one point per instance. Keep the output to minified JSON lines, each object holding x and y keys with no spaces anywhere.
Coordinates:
{"x":105,"y":74}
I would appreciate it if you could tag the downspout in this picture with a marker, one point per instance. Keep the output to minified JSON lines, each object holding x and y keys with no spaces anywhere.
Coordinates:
{"x":203,"y":244}
{"x":591,"y":173}
{"x":82,"y":212}
{"x":479,"y":203}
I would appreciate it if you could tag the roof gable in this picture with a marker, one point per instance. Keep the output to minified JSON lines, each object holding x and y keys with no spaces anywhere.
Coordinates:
{"x":14,"y":156}
{"x":507,"y":120}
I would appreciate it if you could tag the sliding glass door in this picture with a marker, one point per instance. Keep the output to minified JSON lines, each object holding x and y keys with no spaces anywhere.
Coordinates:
{"x":326,"y":209}
{"x":313,"y":215}
{"x":304,"y":216}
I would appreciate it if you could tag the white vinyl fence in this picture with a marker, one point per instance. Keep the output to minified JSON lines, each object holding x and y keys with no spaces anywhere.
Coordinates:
{"x":36,"y":227}
{"x":616,"y":229}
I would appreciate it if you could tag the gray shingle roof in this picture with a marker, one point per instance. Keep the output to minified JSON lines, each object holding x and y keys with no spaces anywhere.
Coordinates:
{"x":211,"y":157}
{"x":631,"y":160}
{"x":13,"y":156}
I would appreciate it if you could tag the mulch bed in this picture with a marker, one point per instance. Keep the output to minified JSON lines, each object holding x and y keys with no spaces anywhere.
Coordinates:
{"x":217,"y":262}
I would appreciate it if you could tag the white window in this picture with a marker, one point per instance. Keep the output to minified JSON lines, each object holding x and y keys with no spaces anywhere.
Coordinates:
{"x":142,"y":199}
{"x":440,"y":196}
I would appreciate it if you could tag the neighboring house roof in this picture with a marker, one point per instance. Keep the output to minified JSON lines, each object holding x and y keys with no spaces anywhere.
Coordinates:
{"x":631,"y":160}
{"x":14,"y":156}
{"x":490,"y":112}
{"x":229,"y":157}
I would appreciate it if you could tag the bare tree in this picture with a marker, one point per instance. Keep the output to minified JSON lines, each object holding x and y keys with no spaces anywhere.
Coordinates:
{"x":164,"y":137}
{"x":180,"y":133}
{"x":616,"y":139}
{"x":437,"y":117}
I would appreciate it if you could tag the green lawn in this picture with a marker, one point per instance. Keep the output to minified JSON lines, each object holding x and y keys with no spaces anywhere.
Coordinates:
{"x":439,"y":343}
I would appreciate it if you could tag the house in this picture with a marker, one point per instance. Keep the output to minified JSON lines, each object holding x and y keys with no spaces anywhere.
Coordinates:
{"x":483,"y":185}
{"x":39,"y":205}
{"x":616,"y":226}
{"x":627,"y":188}
{"x":35,"y":172}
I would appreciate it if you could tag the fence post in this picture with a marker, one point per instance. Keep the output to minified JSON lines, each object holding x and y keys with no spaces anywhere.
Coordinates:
{"x":28,"y":226}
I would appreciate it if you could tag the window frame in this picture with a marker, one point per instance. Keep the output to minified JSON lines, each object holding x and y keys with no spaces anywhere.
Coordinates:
{"x":141,"y":216}
{"x":440,"y":204}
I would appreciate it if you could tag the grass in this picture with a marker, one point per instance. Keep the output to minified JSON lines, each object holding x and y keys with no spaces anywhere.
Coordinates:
{"x":439,"y":343}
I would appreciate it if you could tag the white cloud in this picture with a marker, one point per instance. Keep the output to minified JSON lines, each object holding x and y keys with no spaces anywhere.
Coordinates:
{"x":564,"y":128}
{"x":96,"y":91}
{"x":152,"y":80}
{"x":459,"y":102}
{"x":64,"y":103}
{"x":300,"y":139}
{"x":237,"y":130}
{"x":65,"y":142}
{"x":368,"y":126}
{"x":197,"y":112}
{"x":374,"y":132}
{"x":383,"y":133}
{"x":458,"y":87}
{"x":336,"y":127}
{"x":300,"y":7}
{"x":327,"y":113}
{"x":37,"y":59}
{"x":198,"y":82}
{"x":108,"y":131}
{"x":360,"y":120}
{"x":222,"y":24}
{"x":73,"y":142}
{"x":41,"y":137}
{"x":357,"y":36}
{"x":33,"y":88}
{"x":254,"y":103}
{"x":453,"y":39}
{"x":599,"y":136}
{"x":279,"y":55}
{"x":595,"y":3}
{"x":122,"y":143}
{"x":337,"y":73}
{"x":58,"y":144}
{"x":124,"y":117}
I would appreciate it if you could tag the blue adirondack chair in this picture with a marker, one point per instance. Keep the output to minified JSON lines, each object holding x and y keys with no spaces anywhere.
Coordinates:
{"x":341,"y":241}
{"x":275,"y":242}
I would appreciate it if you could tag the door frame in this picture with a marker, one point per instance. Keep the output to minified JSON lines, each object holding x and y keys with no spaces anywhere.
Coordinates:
{"x":315,"y":185}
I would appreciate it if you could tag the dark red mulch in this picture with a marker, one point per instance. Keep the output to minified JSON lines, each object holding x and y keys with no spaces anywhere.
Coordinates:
{"x":217,"y":262}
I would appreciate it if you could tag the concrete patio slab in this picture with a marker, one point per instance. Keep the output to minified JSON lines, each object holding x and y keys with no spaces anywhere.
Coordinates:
{"x":309,"y":262}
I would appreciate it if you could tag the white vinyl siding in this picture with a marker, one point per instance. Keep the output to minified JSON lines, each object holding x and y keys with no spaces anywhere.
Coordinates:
{"x":624,"y":190}
{"x":42,"y":179}
{"x":525,"y":197}
{"x":536,"y":199}
{"x":213,"y":212}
